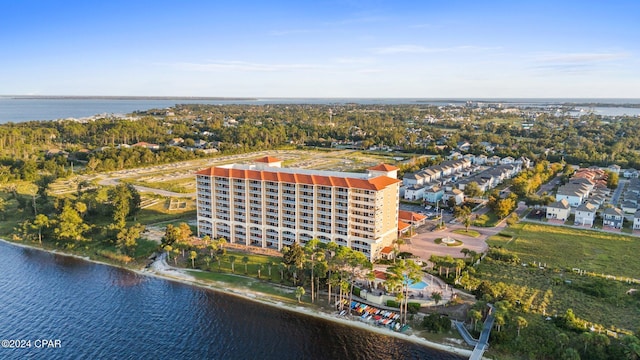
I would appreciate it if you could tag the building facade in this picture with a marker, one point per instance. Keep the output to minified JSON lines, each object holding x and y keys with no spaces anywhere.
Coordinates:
{"x":267,"y":206}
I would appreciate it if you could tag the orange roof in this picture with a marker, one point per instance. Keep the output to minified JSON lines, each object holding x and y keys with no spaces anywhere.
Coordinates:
{"x":402,"y":225}
{"x":268,"y":160}
{"x":387,"y":250}
{"x":377,"y":183}
{"x":383,"y":167}
{"x":380,"y":274}
{"x":409,"y":216}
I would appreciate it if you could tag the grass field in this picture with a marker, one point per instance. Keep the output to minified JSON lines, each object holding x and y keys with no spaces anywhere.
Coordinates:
{"x":564,"y":247}
{"x":556,"y":287}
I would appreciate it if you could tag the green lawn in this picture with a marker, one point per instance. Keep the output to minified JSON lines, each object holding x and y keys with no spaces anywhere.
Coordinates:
{"x":567,"y":248}
{"x":487,"y":220}
{"x":464,"y":232}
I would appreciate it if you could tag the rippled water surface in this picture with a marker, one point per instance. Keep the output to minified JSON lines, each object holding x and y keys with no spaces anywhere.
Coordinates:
{"x":100,"y":312}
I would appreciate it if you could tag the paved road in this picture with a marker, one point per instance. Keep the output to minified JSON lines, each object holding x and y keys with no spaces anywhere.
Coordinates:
{"x":617,"y":192}
{"x":550,"y":185}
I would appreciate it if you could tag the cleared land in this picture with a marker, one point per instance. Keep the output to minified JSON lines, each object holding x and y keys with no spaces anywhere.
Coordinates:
{"x":557,"y":287}
{"x":564,"y":247}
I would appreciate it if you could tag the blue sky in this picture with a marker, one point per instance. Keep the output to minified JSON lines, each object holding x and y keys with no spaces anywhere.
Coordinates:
{"x":351,"y":48}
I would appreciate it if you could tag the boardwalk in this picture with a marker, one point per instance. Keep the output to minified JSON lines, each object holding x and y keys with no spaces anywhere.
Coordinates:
{"x":479,"y":345}
{"x":483,"y":343}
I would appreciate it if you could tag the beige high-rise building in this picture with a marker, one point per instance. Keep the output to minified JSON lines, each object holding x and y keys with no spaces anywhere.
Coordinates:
{"x":265,"y":205}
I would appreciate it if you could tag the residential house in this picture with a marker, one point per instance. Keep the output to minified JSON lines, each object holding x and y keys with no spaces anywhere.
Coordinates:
{"x":507,"y":160}
{"x":456,"y":194}
{"x":433,"y":195}
{"x":630,"y":173}
{"x":636,"y":220}
{"x":586,"y":214}
{"x":613,"y":217}
{"x":559,"y":210}
{"x":415,"y":192}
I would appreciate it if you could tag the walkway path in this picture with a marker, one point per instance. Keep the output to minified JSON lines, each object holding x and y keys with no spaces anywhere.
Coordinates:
{"x":465,"y":333}
{"x":483,"y":343}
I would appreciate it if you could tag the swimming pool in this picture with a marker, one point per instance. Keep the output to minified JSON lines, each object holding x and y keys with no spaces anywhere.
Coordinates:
{"x":418,"y":285}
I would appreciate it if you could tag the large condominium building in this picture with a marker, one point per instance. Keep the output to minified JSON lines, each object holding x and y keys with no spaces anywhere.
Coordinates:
{"x":265,"y":205}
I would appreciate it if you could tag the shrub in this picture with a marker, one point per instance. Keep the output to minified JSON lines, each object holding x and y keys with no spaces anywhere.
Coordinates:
{"x":436,"y":323}
{"x":413,"y":308}
{"x":393,"y":303}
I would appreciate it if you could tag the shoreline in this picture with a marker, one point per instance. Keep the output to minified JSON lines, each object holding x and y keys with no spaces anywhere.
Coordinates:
{"x":252,"y":296}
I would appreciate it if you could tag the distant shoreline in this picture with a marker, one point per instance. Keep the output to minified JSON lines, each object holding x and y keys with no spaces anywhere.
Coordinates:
{"x":98,"y":97}
{"x":229,"y":290}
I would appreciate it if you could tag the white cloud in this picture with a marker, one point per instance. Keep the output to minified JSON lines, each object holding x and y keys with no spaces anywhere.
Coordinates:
{"x":580,"y":57}
{"x":574,"y":63}
{"x":419,"y":49}
{"x":243,"y":66}
{"x":353,"y":60}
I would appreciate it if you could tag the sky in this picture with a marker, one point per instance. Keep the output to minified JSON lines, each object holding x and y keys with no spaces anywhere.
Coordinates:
{"x":321,"y":48}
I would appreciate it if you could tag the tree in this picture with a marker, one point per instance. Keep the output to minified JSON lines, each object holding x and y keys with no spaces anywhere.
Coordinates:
{"x":41,"y":221}
{"x":293,"y":258}
{"x":313,"y":251}
{"x":472,"y":190}
{"x":467,"y":222}
{"x":436,"y":296}
{"x":232,"y":261}
{"x":171,"y":235}
{"x":521,"y":322}
{"x":127,"y":238}
{"x":169,"y":250}
{"x":499,"y":321}
{"x":3,"y":208}
{"x":570,"y":354}
{"x":134,"y":202}
{"x":207,"y":260}
{"x":193,"y":255}
{"x":270,"y":264}
{"x":259,"y":268}
{"x":120,"y":199}
{"x":70,"y":226}
{"x":245,"y":261}
{"x":475,"y":316}
{"x":299,"y":292}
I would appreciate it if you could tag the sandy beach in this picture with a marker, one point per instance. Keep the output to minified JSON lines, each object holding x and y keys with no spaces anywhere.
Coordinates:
{"x":160,"y":269}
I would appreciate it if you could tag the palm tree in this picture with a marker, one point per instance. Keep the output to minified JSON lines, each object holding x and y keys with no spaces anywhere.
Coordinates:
{"x":232,"y":260}
{"x":269,"y":266}
{"x":207,"y":260}
{"x":192,"y":256}
{"x":245,"y":261}
{"x":437,"y":297}
{"x":282,"y":266}
{"x":259,"y":268}
{"x":500,"y":321}
{"x":299,"y":292}
{"x":312,"y":251}
{"x":169,"y":250}
{"x":521,"y":322}
{"x":475,"y":316}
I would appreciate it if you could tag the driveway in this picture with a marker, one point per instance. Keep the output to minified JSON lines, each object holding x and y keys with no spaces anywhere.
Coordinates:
{"x":423,"y":245}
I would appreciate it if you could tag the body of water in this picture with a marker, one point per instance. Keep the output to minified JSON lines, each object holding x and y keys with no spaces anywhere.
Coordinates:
{"x":20,"y":109}
{"x":89,"y":311}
